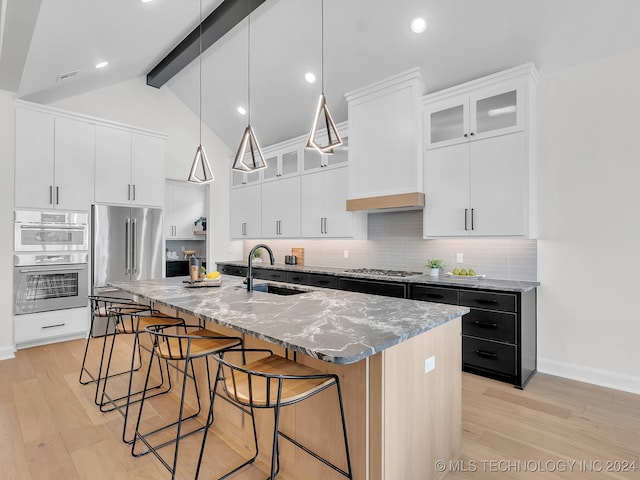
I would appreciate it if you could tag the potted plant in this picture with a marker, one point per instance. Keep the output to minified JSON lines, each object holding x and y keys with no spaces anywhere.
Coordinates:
{"x":203,"y":221}
{"x":257,"y":256}
{"x":434,"y":264}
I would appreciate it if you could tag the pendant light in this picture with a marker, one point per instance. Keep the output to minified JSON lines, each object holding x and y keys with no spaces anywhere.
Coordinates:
{"x":200,"y":161}
{"x":249,"y":157}
{"x":322,"y":117}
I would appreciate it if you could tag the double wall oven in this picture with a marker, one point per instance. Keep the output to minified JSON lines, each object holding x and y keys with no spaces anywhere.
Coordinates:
{"x":50,"y":261}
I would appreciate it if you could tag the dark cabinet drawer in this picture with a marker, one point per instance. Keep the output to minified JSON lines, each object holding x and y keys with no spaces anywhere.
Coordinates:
{"x":494,"y":301}
{"x":177,"y":268}
{"x":232,"y":270}
{"x":388,"y":289}
{"x":296,"y":277}
{"x":434,"y":294}
{"x":325,"y":281}
{"x":499,"y":357}
{"x":497,"y":326}
{"x":275,"y":275}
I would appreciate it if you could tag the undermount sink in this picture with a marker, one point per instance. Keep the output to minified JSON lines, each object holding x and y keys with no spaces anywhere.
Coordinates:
{"x":277,"y":289}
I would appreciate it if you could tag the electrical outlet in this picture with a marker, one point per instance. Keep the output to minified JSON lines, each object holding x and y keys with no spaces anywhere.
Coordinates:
{"x":346,"y":254}
{"x":429,"y":364}
{"x":459,"y":258}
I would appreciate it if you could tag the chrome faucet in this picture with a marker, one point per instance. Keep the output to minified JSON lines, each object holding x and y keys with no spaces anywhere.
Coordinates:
{"x":249,"y":275}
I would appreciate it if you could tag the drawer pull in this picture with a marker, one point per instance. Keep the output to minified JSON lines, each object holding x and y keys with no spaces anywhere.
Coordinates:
{"x":296,"y":278}
{"x":434,"y":295}
{"x":54,"y":326}
{"x":323,"y":282}
{"x":485,"y":324}
{"x":484,"y":353}
{"x":482,"y":301}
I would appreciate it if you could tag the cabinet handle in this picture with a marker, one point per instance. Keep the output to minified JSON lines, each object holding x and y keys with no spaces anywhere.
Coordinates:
{"x":466,"y":211}
{"x":134,"y":191}
{"x":321,"y":225}
{"x":466,"y":136}
{"x":484,"y":353}
{"x":244,"y":228}
{"x":434,"y":295}
{"x":128,"y":191}
{"x":325,"y":226}
{"x":472,"y":134}
{"x":57,"y":195}
{"x":322,"y":282}
{"x":50,"y":194}
{"x":296,"y":278}
{"x":472,"y":214}
{"x":482,"y":301}
{"x":486,"y":324}
{"x":54,"y":326}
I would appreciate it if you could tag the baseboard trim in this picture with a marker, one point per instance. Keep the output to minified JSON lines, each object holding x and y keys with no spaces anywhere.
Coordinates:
{"x":603,"y":378}
{"x":7,"y":352}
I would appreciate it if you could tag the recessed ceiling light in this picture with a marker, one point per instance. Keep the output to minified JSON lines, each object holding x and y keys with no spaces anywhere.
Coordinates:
{"x":418,"y":25}
{"x":310,"y":77}
{"x":102,"y":64}
{"x":241,"y":111}
{"x":145,"y":1}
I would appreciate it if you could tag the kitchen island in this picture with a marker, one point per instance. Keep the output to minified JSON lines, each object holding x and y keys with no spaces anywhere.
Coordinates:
{"x":400,"y":419}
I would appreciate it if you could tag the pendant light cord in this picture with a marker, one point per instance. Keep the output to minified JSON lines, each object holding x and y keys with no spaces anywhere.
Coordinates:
{"x":249,"y":65}
{"x":322,"y":46}
{"x":200,"y":73}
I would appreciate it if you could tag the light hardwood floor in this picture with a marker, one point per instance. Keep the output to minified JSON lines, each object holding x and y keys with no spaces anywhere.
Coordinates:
{"x":50,"y":429}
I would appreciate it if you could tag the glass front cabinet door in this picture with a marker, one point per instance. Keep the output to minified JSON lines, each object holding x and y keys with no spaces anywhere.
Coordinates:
{"x":495,"y":110}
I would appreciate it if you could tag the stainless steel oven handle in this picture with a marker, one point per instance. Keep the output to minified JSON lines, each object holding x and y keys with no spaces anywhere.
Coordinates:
{"x":53,"y":226}
{"x":65,"y":268}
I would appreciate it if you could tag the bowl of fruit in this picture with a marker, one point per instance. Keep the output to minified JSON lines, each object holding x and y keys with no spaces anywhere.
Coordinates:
{"x":464,"y":273}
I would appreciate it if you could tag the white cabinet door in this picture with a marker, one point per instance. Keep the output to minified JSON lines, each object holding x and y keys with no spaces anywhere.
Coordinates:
{"x":74,"y":154}
{"x":498,"y":186}
{"x":497,"y":110}
{"x":113,"y":166}
{"x":147,"y":170}
{"x":188,"y":203}
{"x":446,"y":122}
{"x":34,"y":159}
{"x":324,"y":213}
{"x":281,"y":208}
{"x":446,"y":181}
{"x":246,"y":212}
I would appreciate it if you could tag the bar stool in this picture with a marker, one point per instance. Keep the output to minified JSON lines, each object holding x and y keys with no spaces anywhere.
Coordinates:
{"x":273,"y":382}
{"x":197,"y":342}
{"x":100,"y":307}
{"x":127,"y":321}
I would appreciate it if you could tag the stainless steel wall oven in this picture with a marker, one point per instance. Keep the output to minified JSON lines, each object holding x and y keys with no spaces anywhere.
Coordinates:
{"x":51,"y":270}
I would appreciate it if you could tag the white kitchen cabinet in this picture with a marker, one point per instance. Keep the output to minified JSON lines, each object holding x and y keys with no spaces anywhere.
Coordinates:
{"x":476,"y":189}
{"x":130,"y":167}
{"x":482,"y":184}
{"x":241,"y":179}
{"x":314,"y":161}
{"x":281,"y":163}
{"x":385,"y":137}
{"x":54,"y":157}
{"x":281,"y":208}
{"x":246,"y":212}
{"x":184,"y":203}
{"x":323,"y":200}
{"x":482,"y":113}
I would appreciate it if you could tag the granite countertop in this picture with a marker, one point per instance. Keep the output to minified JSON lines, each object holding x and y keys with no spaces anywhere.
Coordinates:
{"x":331,"y":325}
{"x":425,"y":279}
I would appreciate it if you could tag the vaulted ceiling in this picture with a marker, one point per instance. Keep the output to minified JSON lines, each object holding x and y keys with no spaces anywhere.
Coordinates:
{"x":365,"y":41}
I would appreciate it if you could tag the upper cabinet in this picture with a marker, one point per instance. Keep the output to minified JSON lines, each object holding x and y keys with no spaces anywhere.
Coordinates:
{"x":246,"y":212}
{"x":385,"y":137}
{"x":479,"y":162}
{"x":184,"y":203}
{"x":282,"y":162}
{"x":281,"y":208}
{"x":53,"y":161}
{"x":240,"y":179}
{"x":130,"y":167}
{"x":487,"y":112}
{"x":314,"y":161}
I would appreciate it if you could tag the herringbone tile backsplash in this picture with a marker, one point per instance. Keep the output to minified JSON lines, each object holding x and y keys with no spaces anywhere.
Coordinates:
{"x":395,"y":242}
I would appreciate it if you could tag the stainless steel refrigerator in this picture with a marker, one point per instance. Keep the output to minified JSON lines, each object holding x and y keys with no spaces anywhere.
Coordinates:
{"x":126,"y":244}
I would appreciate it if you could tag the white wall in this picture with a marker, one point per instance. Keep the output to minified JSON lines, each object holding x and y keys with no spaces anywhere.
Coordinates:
{"x":135,"y":103}
{"x":7,"y":128}
{"x":589,"y":221}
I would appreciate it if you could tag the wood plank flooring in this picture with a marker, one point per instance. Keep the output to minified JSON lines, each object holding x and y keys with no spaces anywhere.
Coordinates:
{"x":51,"y":429}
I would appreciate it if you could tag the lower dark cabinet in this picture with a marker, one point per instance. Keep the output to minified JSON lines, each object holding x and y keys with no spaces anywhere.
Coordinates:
{"x":177,"y":268}
{"x":375,"y":287}
{"x":495,"y":356}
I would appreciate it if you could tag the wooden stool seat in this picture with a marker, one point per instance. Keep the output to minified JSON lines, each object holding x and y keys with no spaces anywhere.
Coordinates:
{"x":138,"y":323}
{"x":196,"y":345}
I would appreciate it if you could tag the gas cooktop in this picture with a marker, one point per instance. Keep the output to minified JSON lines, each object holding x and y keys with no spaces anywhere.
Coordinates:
{"x":383,"y":273}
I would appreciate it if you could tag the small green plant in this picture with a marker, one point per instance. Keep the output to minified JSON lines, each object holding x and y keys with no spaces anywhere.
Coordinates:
{"x":257,"y":253}
{"x":435,"y":263}
{"x":202,"y":220}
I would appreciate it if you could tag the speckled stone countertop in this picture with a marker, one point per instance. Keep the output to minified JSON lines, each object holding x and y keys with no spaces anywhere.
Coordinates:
{"x":331,"y":325}
{"x":425,"y":279}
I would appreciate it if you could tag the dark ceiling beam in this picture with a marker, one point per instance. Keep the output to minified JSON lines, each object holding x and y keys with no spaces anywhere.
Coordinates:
{"x":228,"y":14}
